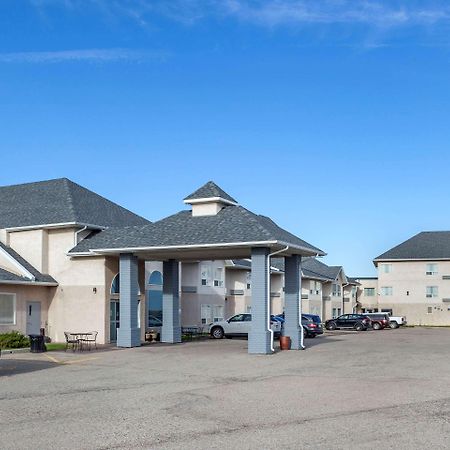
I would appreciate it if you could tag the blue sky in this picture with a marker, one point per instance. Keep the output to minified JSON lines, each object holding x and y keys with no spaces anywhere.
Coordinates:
{"x":332,"y":117}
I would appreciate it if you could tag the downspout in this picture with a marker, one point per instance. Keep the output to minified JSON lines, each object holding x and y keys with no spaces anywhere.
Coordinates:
{"x":268,"y":294}
{"x":77,"y":232}
{"x":343,"y":296}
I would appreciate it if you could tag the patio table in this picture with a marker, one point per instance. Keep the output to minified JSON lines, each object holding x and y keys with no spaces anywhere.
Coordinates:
{"x":79,"y":336}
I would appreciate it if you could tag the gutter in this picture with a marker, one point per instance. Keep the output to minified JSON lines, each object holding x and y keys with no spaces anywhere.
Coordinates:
{"x":56,"y":225}
{"x":31,"y":283}
{"x":309,"y":252}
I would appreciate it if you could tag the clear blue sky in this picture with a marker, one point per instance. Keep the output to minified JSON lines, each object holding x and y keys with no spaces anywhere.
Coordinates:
{"x":332,"y":117}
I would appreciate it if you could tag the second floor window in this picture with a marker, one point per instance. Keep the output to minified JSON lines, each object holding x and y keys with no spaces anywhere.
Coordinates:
{"x":386,"y":290}
{"x":369,"y":292}
{"x":218,"y":277}
{"x":386,"y":268}
{"x":206,"y":275}
{"x":432,"y":269}
{"x":432,"y":291}
{"x":336,"y":290}
{"x":249,"y":280}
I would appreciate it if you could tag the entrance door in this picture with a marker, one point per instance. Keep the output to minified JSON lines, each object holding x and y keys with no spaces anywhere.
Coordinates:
{"x":33,"y":317}
{"x":114,"y":319}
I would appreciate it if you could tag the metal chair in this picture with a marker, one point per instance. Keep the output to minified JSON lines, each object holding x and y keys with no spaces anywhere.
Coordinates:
{"x":91,"y":338}
{"x":71,"y":340}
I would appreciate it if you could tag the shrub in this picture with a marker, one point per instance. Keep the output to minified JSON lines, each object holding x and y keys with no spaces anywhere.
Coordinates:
{"x":13,"y":339}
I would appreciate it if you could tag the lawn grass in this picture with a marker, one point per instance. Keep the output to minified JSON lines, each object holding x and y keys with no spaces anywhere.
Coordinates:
{"x":55,"y":346}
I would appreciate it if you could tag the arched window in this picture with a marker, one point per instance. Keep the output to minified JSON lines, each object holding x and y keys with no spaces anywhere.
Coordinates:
{"x":155,"y":278}
{"x":115,"y":285}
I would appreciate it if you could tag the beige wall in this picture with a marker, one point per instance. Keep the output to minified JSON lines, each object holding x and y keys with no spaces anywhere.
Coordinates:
{"x":409,"y":283}
{"x":33,"y":246}
{"x":24,"y":294}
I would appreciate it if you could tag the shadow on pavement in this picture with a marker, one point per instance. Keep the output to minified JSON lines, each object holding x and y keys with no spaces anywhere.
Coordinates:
{"x":11,"y":367}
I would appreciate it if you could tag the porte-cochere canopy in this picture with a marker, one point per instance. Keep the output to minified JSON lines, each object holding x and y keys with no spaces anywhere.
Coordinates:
{"x":216,"y":227}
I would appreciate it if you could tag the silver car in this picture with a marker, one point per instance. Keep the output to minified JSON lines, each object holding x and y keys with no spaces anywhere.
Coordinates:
{"x":238,"y":325}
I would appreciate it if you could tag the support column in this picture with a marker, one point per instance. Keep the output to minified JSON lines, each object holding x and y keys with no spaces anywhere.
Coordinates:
{"x":292,"y":299}
{"x":128,"y":334}
{"x":171,"y":329}
{"x":260,"y":338}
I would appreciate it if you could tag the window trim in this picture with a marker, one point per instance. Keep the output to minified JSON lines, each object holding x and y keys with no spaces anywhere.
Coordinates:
{"x":14,"y":296}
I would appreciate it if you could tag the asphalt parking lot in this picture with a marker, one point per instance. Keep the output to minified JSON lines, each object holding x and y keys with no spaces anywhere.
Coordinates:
{"x":387,"y":389}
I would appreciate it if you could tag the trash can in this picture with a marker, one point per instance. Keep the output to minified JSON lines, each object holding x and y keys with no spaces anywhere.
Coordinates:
{"x":37,"y":343}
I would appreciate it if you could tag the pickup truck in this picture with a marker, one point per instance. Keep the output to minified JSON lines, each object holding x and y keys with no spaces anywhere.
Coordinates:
{"x":397,"y":321}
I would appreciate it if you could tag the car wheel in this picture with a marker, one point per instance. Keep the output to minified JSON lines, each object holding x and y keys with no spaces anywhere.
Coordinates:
{"x":376,"y":326}
{"x":305,"y":334}
{"x":331,"y":326}
{"x":394,"y":325}
{"x":359,"y":327}
{"x":217,"y":333}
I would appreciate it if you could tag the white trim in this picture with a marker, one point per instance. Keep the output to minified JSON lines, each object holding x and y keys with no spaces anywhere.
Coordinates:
{"x":31,"y":283}
{"x":194,"y":246}
{"x":194,"y":201}
{"x":409,"y":259}
{"x":56,"y":225}
{"x":17,"y":264}
{"x":15,"y":310}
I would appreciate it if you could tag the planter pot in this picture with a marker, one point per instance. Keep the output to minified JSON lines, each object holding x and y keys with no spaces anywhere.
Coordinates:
{"x":285,"y":342}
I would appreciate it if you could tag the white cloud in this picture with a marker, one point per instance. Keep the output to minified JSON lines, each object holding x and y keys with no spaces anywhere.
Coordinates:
{"x":89,"y":55}
{"x":272,"y":13}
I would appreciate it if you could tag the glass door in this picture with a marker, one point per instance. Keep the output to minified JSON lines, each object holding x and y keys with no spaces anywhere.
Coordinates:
{"x":114,"y":319}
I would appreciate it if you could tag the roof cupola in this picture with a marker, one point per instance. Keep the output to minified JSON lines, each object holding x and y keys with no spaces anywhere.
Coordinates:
{"x":209,"y":200}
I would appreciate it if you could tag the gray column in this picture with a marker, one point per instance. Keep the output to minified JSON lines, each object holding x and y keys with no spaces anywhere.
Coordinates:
{"x":260,"y":339}
{"x":128,"y":334}
{"x":292,"y":298}
{"x":171,"y":330}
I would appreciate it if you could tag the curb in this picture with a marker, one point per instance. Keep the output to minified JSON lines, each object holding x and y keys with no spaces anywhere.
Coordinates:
{"x":15,"y":350}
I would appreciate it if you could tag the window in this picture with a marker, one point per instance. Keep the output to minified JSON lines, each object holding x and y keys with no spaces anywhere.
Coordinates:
{"x":7,"y":309}
{"x":336,"y":290}
{"x":353,"y":291}
{"x":155,"y":300}
{"x":238,"y":318}
{"x":334,"y":313}
{"x":369,"y":292}
{"x":249,"y":280}
{"x":432,"y":269}
{"x":386,"y":290}
{"x":339,"y":312}
{"x":317,"y":286}
{"x":386,"y":268}
{"x":430,"y":310}
{"x":206,"y":275}
{"x":218,"y":277}
{"x":211,"y":313}
{"x":432,"y":291}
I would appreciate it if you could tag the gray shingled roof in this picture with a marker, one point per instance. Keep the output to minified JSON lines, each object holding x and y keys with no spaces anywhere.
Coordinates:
{"x":9,"y":276}
{"x":208,"y":190}
{"x":233,"y":224}
{"x":60,"y":201}
{"x":425,"y":245}
{"x":39,"y":277}
{"x":312,"y":268}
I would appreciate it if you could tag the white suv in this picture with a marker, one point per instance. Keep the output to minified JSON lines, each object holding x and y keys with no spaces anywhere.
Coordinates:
{"x":238,"y":325}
